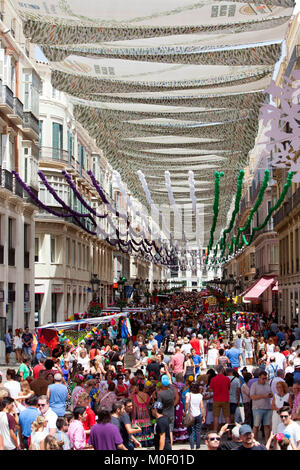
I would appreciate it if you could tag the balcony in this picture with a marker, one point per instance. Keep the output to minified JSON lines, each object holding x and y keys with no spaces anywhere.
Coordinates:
{"x":287,"y":207}
{"x":31,"y":125}
{"x":54,"y":154}
{"x":6,"y":99}
{"x":18,"y":114}
{"x":10,"y":183}
{"x":11,"y":256}
{"x":29,"y":200}
{"x":7,"y":179}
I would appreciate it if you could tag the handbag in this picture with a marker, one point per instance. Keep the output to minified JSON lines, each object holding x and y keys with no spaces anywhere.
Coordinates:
{"x":188,"y":419}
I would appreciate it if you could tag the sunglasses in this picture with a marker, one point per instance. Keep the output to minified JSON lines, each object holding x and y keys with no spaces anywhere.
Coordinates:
{"x":214,"y":439}
{"x":284,"y":416}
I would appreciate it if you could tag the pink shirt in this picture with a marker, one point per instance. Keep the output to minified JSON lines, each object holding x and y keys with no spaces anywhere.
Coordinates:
{"x":76,"y":435}
{"x":177,"y":363}
{"x":296,"y":404}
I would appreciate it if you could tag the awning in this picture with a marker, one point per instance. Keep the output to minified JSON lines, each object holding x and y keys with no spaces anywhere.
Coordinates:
{"x":248,"y":288}
{"x":255,"y":292}
{"x":275,"y":288}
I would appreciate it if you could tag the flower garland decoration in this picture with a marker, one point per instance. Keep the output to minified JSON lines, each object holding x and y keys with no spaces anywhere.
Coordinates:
{"x":238,"y":196}
{"x":272,"y":209}
{"x":79,"y":197}
{"x":218,"y":175}
{"x":60,"y":201}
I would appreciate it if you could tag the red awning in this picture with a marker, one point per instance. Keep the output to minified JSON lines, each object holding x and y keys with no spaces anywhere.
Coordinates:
{"x":255,"y":292}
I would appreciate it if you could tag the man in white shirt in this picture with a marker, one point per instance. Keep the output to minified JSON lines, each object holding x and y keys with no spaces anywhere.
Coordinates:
{"x":50,"y":415}
{"x":12,"y":385}
{"x":279,"y":358}
{"x":186,"y":347}
{"x":288,"y":426}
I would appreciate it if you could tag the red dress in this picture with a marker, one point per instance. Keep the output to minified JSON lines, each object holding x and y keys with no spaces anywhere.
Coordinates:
{"x":89,"y":421}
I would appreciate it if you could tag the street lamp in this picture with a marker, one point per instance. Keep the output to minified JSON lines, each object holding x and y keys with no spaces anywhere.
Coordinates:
{"x":230,"y":290}
{"x":147,"y":284}
{"x":121,"y":283}
{"x":95,"y":282}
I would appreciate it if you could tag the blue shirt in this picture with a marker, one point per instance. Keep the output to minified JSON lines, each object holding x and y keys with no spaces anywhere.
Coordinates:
{"x":58,"y":397}
{"x":61,"y":436}
{"x":7,"y":340}
{"x":26,"y":418}
{"x":296,"y":376}
{"x":280,"y":337}
{"x":159,"y":339}
{"x":197,"y":361}
{"x":233,"y":355}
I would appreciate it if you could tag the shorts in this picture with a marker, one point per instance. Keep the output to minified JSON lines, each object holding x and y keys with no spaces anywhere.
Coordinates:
{"x":221,"y":405}
{"x":171,"y":423}
{"x":233,"y":407}
{"x":248,"y":354}
{"x":8,"y":350}
{"x":263,"y":417}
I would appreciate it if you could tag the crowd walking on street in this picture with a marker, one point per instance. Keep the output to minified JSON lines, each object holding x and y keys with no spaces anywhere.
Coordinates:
{"x":186,"y":384}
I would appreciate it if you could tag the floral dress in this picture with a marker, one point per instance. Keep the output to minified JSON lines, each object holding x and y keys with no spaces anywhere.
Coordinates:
{"x":180,"y":432}
{"x":141,"y":418}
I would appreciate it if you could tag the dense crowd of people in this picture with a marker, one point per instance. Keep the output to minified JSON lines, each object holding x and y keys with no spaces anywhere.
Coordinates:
{"x":186,"y":383}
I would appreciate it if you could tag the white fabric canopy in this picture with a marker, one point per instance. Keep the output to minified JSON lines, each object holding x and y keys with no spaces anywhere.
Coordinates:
{"x":166,"y":86}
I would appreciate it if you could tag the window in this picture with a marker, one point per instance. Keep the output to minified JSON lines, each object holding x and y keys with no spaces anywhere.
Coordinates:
{"x":36,"y":249}
{"x":274,"y":254}
{"x":57,"y":140}
{"x":53,"y":250}
{"x":70,"y":145}
{"x":73,"y":253}
{"x":68,"y":249}
{"x":40,"y":134}
{"x":60,"y":186}
{"x":10,"y":233}
{"x":79,"y":255}
{"x":53,"y":308}
{"x":32,"y":85}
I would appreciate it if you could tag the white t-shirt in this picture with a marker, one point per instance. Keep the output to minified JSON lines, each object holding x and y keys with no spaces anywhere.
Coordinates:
{"x":51,"y":418}
{"x":37,"y":438}
{"x":212,"y":355}
{"x":13,"y":387}
{"x":186,"y":348}
{"x":279,"y":359}
{"x":293,"y":429}
{"x":194,"y":400}
{"x":85,"y":362}
{"x":18,"y":343}
{"x":4,"y":431}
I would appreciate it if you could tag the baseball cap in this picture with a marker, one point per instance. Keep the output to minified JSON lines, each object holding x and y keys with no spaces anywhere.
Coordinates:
{"x":119,"y":363}
{"x":244,"y":429}
{"x":157,"y":405}
{"x":165,"y":380}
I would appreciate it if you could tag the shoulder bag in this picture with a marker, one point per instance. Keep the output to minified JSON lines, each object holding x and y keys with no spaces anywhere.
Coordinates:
{"x":188,"y":419}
